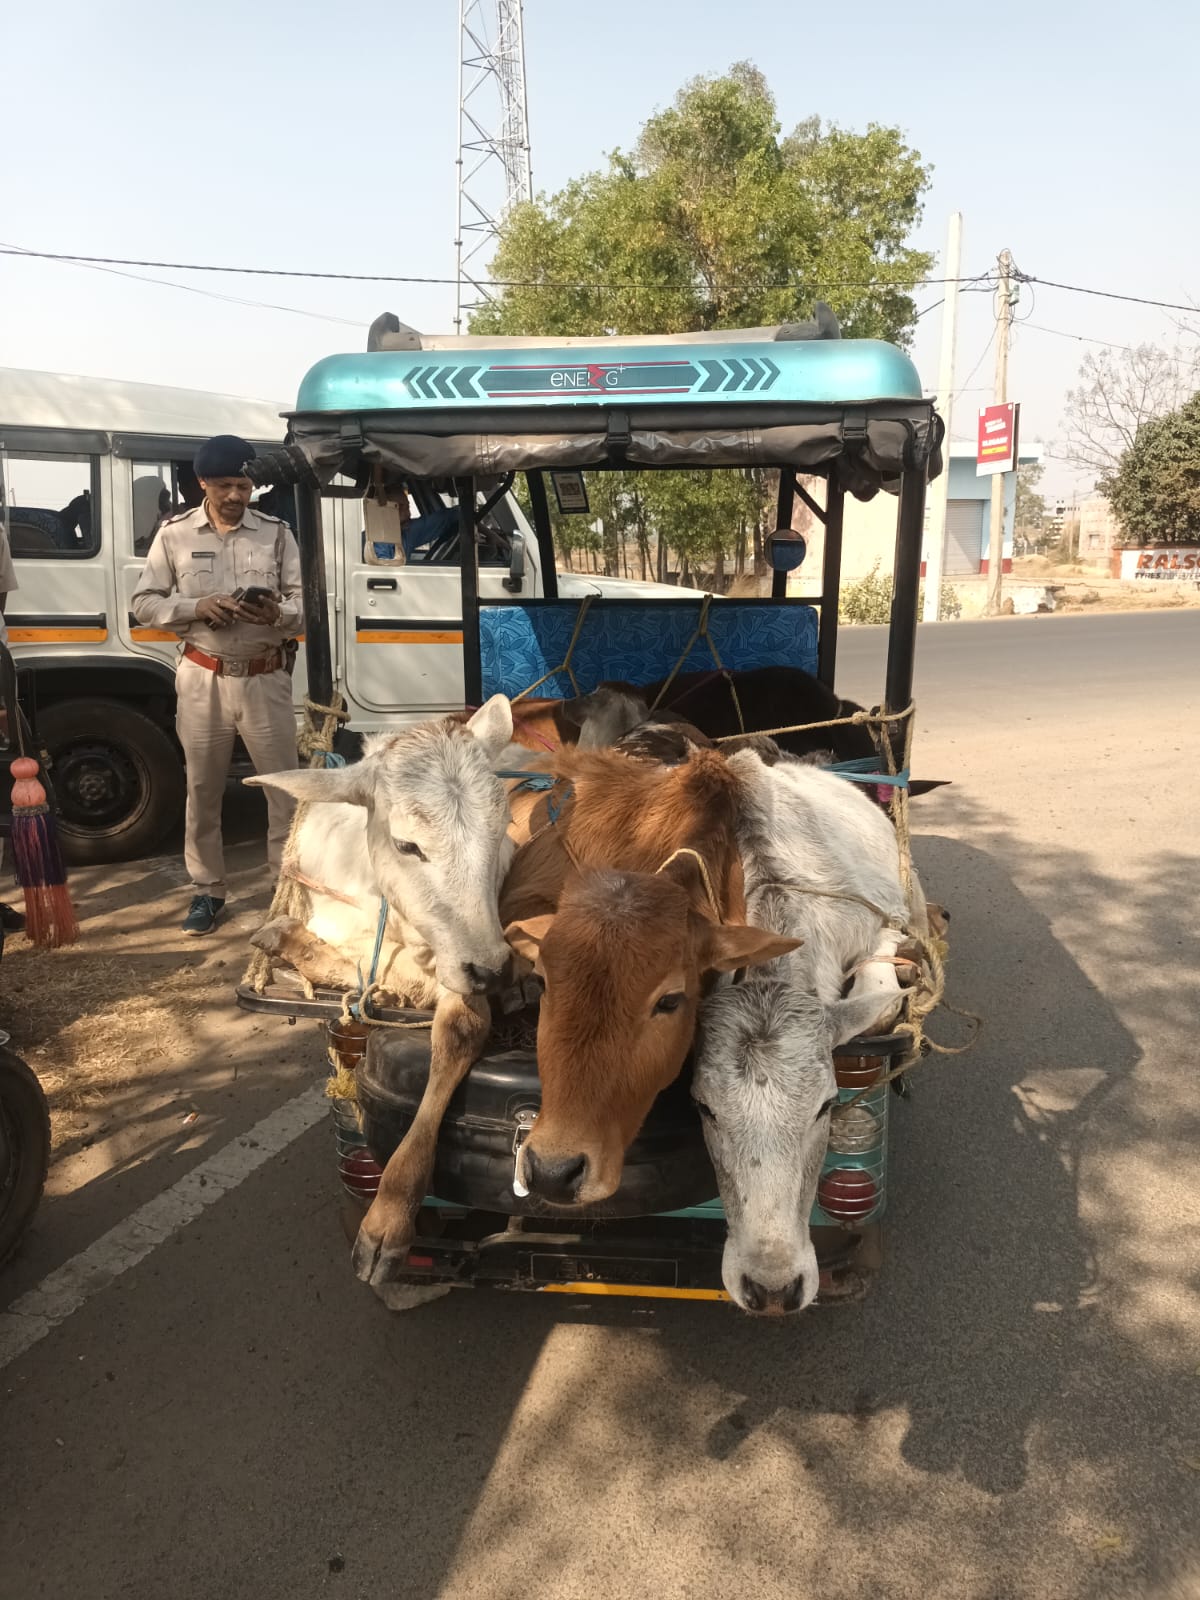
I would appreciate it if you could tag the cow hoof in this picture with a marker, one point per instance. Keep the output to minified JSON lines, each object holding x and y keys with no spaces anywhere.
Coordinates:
{"x":271,"y":937}
{"x":409,"y":1296}
{"x":377,"y":1262}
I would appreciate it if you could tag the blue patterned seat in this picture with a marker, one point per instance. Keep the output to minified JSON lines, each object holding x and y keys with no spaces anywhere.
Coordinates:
{"x":637,"y":641}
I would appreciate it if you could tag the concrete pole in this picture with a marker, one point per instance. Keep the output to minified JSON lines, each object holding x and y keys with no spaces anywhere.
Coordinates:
{"x":999,"y":479}
{"x":935,"y":552}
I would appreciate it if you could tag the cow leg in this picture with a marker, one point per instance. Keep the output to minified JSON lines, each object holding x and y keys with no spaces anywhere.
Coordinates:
{"x":460,"y":1028}
{"x":317,"y":962}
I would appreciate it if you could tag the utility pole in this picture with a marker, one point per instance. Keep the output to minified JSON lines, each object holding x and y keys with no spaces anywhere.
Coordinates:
{"x":996,"y":530}
{"x":935,"y":548}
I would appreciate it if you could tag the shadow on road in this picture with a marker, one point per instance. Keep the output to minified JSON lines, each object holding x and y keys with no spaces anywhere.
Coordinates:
{"x":1000,"y":1419}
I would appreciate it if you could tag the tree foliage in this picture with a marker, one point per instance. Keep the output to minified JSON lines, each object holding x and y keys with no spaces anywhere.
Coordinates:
{"x":1155,"y":491}
{"x":1118,"y":392}
{"x":1030,"y":516}
{"x":713,"y":220}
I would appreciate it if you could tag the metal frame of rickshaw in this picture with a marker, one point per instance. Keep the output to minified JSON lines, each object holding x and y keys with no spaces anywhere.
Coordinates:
{"x":475,"y":1255}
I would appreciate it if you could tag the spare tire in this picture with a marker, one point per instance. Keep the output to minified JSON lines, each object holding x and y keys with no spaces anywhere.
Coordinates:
{"x":666,"y":1167}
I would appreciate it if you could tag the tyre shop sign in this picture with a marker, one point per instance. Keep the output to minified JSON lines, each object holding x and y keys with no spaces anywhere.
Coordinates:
{"x":1161,"y":566}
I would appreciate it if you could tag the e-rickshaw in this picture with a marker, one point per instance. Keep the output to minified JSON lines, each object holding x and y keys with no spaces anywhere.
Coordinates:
{"x":474,"y":414}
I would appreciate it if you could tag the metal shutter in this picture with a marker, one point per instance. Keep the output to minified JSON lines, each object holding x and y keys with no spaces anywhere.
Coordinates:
{"x":964,"y":537}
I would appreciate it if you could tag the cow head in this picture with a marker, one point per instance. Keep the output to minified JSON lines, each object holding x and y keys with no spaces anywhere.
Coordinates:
{"x":764,"y":1085}
{"x":625,"y":960}
{"x":436,"y":835}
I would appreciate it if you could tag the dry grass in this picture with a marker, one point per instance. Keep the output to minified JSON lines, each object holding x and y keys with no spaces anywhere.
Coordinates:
{"x":87,"y":1023}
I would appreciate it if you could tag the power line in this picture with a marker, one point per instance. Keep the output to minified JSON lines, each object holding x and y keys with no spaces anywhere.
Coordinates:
{"x":1128,"y":349}
{"x":499,"y":283}
{"x":188,"y":288}
{"x":1108,"y":294}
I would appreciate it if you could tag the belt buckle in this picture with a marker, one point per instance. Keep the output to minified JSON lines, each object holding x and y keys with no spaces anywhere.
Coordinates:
{"x":235,"y":669}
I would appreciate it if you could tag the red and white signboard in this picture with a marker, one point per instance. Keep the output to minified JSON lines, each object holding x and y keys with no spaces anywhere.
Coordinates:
{"x":1161,"y":566}
{"x":996,"y":446}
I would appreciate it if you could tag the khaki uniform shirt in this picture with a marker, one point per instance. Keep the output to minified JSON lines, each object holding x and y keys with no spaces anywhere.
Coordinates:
{"x":189,"y":559}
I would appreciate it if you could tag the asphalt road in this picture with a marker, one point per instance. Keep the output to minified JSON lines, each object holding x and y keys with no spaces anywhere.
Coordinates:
{"x":1014,"y":1413}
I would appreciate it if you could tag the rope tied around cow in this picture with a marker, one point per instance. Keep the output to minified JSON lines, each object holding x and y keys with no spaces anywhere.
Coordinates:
{"x":928,"y":992}
{"x":315,"y":741}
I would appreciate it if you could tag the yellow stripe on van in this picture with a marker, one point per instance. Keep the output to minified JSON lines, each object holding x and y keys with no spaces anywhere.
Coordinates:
{"x":417,"y":636}
{"x":153,"y":636}
{"x":57,"y":635}
{"x":639,"y":1291}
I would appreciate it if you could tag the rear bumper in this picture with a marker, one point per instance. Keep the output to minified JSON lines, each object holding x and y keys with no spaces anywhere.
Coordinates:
{"x":653,"y":1258}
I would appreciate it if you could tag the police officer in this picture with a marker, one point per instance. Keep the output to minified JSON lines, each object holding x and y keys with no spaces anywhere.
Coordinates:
{"x":226,"y":579}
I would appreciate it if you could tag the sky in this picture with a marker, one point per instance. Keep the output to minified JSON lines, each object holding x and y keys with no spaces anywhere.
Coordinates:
{"x":304,"y":136}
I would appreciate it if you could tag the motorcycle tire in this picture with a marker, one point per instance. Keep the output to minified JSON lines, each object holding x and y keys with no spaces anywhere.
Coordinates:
{"x":24,"y":1149}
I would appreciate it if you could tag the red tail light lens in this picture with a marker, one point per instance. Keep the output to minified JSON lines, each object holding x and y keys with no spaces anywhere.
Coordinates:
{"x":360,"y":1173}
{"x":847,"y":1194}
{"x":857,"y":1072}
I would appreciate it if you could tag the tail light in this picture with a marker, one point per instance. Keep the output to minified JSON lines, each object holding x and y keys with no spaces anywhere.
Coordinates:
{"x":360,"y":1173}
{"x":857,"y":1072}
{"x":855,"y":1129}
{"x":849,"y":1194}
{"x":357,"y":1167}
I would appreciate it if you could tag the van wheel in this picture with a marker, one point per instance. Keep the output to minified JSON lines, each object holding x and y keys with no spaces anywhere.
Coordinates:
{"x":118,"y":779}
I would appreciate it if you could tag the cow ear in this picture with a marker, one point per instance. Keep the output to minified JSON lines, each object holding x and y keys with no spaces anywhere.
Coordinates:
{"x":492,"y":725}
{"x":859,"y":1013}
{"x":350,"y":785}
{"x":525,"y":937}
{"x":730,"y":945}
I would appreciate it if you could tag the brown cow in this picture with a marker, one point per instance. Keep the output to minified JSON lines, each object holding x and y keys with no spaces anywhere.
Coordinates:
{"x":627,"y":904}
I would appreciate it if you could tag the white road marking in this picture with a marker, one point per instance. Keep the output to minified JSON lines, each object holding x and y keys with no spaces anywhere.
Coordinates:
{"x":40,"y":1310}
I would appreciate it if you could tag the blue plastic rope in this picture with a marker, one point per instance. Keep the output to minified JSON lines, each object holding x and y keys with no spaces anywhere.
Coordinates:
{"x":356,"y":1006}
{"x":334,"y":760}
{"x":858,"y":771}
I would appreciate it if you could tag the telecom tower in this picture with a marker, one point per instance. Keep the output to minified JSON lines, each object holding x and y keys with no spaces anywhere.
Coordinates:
{"x":493,"y":139}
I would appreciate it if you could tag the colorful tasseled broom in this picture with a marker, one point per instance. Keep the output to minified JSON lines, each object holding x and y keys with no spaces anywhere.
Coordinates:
{"x":50,"y":918}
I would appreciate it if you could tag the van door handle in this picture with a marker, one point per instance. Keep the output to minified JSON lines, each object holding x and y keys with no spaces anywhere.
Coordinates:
{"x":381,"y":583}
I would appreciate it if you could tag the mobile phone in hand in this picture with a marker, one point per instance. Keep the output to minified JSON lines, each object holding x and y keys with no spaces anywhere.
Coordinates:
{"x":254,"y":595}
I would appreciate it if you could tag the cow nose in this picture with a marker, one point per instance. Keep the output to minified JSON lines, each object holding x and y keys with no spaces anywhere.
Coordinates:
{"x":482,"y":979}
{"x":556,"y":1179}
{"x":773,"y":1302}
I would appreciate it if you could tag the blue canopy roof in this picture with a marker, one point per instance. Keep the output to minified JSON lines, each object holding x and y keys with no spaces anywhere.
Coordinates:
{"x":834,"y":372}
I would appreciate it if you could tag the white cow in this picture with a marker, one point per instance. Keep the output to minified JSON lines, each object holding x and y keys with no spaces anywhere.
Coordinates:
{"x":422,"y":820}
{"x":763,"y":1079}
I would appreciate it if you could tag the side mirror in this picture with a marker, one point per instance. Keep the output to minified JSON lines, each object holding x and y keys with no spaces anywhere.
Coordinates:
{"x":515,"y":581}
{"x":786,"y":550}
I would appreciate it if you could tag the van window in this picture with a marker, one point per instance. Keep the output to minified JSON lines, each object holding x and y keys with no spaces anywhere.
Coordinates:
{"x":51,"y":505}
{"x":161,"y":489}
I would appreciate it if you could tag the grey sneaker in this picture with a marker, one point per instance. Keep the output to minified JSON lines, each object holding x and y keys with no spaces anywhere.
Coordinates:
{"x":202,"y":918}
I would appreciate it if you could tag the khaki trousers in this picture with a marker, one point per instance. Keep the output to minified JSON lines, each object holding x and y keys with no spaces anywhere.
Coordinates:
{"x":210,"y":710}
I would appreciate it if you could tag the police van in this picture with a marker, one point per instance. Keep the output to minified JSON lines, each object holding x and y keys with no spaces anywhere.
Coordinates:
{"x":89,"y":468}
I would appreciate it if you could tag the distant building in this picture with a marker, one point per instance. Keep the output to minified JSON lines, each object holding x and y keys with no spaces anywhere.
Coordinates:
{"x":869,"y":528}
{"x":1099,"y":530}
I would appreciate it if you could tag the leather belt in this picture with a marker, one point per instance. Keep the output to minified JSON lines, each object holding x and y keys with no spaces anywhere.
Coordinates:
{"x":229,"y":667}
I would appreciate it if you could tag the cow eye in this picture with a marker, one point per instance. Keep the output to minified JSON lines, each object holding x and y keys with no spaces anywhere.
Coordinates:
{"x":405,"y":847}
{"x":705,"y":1111}
{"x":827,"y":1107}
{"x":666,"y":1003}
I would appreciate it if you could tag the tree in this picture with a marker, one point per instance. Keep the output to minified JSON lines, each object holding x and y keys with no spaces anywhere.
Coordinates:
{"x":1030,"y":516}
{"x":1155,"y":492}
{"x":713,"y":220}
{"x":1118,"y":392}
